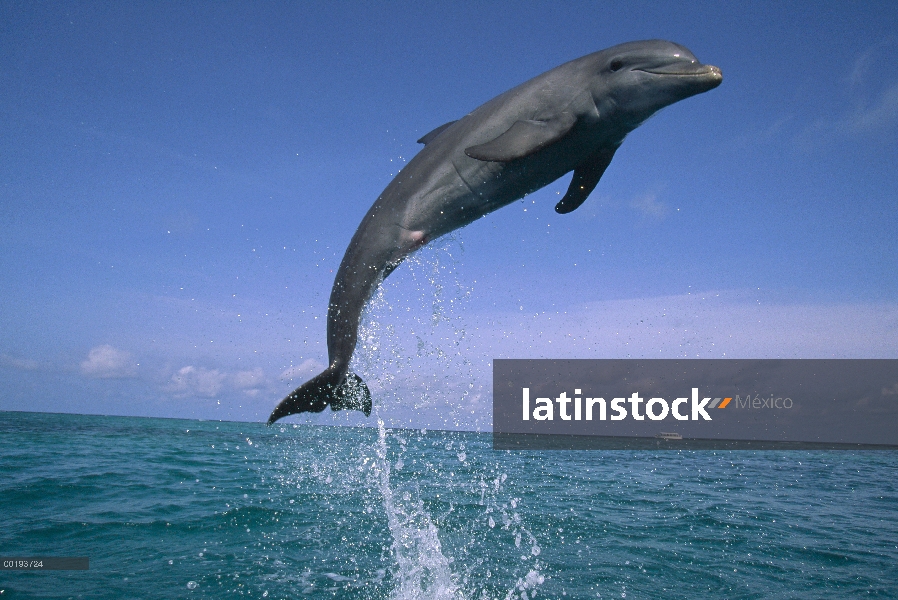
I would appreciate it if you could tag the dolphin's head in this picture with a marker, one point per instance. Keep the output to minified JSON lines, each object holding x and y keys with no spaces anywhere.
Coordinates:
{"x":632,"y":81}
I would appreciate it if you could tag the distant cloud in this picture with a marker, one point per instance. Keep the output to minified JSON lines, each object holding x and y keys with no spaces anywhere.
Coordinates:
{"x":871,"y":113}
{"x":249,"y":379}
{"x":304,"y":370}
{"x":883,"y":114}
{"x":700,"y":325}
{"x":106,"y":362}
{"x":22,"y":364}
{"x":761,"y":135}
{"x":877,"y":118}
{"x":861,"y":67}
{"x":250,"y":382}
{"x":192,"y":381}
{"x":892,"y":391}
{"x":197,"y":381}
{"x":649,"y":206}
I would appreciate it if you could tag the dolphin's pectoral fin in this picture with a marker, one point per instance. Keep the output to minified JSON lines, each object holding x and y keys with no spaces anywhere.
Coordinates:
{"x":325,"y":390}
{"x":352,"y":395}
{"x":586,"y":177}
{"x":433,"y":134}
{"x":523,"y":139}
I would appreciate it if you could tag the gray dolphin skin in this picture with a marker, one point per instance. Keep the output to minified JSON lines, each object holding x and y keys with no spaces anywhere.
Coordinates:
{"x":572,"y":118}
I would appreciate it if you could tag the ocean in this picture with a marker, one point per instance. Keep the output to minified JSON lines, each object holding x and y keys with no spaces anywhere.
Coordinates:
{"x":167,"y":508}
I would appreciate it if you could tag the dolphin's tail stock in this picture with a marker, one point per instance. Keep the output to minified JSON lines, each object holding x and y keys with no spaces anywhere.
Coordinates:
{"x":333,"y":387}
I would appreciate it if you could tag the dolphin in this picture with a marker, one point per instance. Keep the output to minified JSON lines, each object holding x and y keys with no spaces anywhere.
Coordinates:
{"x":572,"y":118}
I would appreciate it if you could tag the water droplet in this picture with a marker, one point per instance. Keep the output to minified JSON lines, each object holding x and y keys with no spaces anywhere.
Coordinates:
{"x":192,"y":585}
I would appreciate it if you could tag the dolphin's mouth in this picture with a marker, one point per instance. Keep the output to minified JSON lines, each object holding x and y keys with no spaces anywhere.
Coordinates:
{"x":684,"y":70}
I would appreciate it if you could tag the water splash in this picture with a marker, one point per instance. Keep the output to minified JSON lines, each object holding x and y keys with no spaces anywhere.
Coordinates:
{"x":413,"y":349}
{"x":423,"y":570}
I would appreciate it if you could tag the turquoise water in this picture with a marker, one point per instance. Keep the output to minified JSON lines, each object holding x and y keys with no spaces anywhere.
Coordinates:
{"x":188,"y":509}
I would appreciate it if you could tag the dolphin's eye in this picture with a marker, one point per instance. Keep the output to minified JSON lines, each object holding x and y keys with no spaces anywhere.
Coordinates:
{"x":616,"y":65}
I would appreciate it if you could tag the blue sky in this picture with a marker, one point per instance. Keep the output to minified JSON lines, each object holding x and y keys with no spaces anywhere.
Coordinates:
{"x":179,"y":182}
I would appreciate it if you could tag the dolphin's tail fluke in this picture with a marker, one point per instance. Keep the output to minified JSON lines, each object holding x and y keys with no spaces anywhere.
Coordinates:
{"x":330,"y":388}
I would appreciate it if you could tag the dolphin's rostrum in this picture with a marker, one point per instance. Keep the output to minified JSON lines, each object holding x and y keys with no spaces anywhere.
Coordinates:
{"x":572,"y":118}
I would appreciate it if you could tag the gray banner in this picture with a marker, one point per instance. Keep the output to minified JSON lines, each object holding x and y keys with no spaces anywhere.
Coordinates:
{"x":708,"y":404}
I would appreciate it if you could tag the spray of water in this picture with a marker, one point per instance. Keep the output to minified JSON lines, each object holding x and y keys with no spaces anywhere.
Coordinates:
{"x":413,"y":348}
{"x":397,"y":373}
{"x":423,"y":571}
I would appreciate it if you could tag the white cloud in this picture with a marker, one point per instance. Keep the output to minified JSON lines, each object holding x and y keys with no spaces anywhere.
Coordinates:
{"x":192,"y":381}
{"x":250,"y":382}
{"x":106,"y":362}
{"x":877,"y":116}
{"x":861,"y":67}
{"x":23,"y":364}
{"x":760,"y":135}
{"x":649,"y":206}
{"x":197,"y":381}
{"x":706,"y":325}
{"x":883,"y":113}
{"x":249,"y":379}
{"x":304,"y":370}
{"x":872,"y":112}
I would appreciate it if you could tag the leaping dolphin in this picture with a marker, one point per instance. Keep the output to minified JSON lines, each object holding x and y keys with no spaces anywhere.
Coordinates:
{"x":572,"y":118}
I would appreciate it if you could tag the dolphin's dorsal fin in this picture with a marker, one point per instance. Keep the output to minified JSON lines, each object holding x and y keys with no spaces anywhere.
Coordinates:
{"x":523,"y":139}
{"x":586,"y":177}
{"x":429,"y":137}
